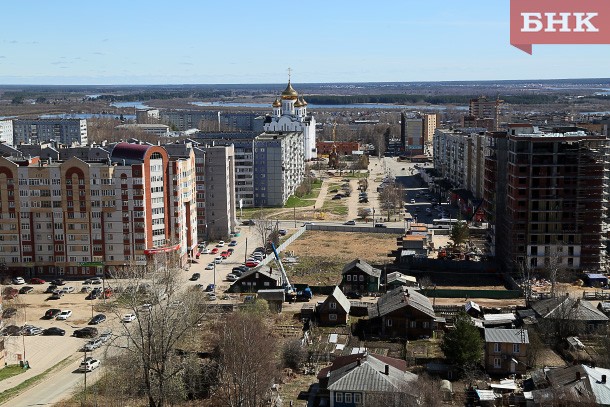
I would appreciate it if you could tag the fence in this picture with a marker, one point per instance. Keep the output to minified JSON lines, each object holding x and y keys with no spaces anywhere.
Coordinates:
{"x":355,"y":229}
{"x":596,"y":295}
{"x":492,"y":294}
{"x":283,"y":246}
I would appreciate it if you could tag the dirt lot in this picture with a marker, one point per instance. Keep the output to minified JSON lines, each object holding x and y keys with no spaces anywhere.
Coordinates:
{"x":322,"y":255}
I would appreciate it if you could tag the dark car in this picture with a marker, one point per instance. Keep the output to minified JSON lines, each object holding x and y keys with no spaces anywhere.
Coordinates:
{"x":195,"y":276}
{"x":210,"y":288}
{"x":50,"y":289}
{"x":353,"y":295}
{"x":9,"y":313}
{"x":87,"y":332}
{"x":98,"y":319}
{"x":380,"y":225}
{"x":230,"y":251}
{"x":92,"y":295}
{"x":58,"y":281}
{"x":51,"y":313}
{"x":11,"y":330}
{"x":54,"y":331}
{"x":282,"y":232}
{"x":26,"y":290}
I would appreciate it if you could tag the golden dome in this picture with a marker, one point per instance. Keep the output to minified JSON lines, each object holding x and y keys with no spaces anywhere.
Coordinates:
{"x":289,"y":93}
{"x":277,"y":103}
{"x":303,"y":102}
{"x":298,"y":103}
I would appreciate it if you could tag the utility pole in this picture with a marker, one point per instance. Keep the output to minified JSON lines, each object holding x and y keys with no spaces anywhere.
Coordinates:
{"x":84,"y":403}
{"x":245,"y":253}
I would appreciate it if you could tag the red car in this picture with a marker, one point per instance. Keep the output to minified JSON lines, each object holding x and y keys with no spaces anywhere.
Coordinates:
{"x":224,"y":255}
{"x":214,"y":250}
{"x":252,"y":263}
{"x":37,"y":280}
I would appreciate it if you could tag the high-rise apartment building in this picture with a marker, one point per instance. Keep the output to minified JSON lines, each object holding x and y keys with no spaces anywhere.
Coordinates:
{"x":78,"y":218}
{"x":483,"y":113}
{"x":546,"y":197}
{"x":6,"y":132}
{"x":64,"y":131}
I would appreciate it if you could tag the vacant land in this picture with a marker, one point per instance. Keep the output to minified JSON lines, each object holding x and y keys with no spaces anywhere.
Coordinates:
{"x":322,"y":255}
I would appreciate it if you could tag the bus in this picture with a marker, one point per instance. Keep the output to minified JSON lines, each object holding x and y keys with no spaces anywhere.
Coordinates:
{"x":445,"y":223}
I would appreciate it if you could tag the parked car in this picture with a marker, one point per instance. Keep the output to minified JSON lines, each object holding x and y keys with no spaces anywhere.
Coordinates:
{"x":18,"y":280}
{"x":108,"y":293}
{"x":210,"y":288}
{"x":233,"y":243}
{"x":105,"y":337}
{"x":85,"y":289}
{"x":146,"y":307}
{"x":58,"y":281}
{"x":230,"y":251}
{"x":26,"y":289}
{"x":30,"y":330}
{"x":214,"y":251}
{"x":252,"y":263}
{"x":231,"y":277}
{"x":68,"y":289}
{"x":353,"y":295}
{"x":128,"y":318}
{"x":218,"y":259}
{"x":89,"y":365}
{"x":37,"y":280}
{"x":54,"y":331}
{"x":11,"y":330}
{"x":350,"y":223}
{"x":51,"y":289}
{"x":211,"y":297}
{"x":221,"y":243}
{"x":87,"y":332}
{"x":57,"y":294}
{"x":93,"y":344}
{"x":380,"y":225}
{"x":51,"y":313}
{"x":93,"y":280}
{"x":98,"y":319}
{"x":210,"y":266}
{"x":9,"y":313}
{"x":65,"y":314}
{"x":412,"y":201}
{"x":92,"y":295}
{"x":282,"y":232}
{"x":224,"y":255}
{"x":337,"y":197}
{"x":195,"y":277}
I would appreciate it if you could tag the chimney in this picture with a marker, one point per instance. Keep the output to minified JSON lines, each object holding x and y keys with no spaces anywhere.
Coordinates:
{"x":604,"y":379}
{"x":577,"y":375}
{"x":387,"y":370}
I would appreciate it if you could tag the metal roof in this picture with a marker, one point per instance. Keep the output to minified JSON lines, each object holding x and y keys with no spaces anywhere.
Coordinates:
{"x":566,"y":307}
{"x":361,"y":265}
{"x":338,"y":295}
{"x":506,"y":335}
{"x":401,"y":297}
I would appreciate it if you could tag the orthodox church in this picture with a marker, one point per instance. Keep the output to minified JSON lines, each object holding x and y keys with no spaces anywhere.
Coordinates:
{"x":290,"y":115}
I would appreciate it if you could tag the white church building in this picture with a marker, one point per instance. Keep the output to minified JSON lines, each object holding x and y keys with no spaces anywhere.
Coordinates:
{"x":290,"y":115}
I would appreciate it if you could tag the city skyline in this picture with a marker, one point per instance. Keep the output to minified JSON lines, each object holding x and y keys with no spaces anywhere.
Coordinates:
{"x":247,"y":42}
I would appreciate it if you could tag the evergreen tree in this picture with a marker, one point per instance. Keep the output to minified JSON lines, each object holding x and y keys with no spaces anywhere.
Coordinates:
{"x":463,"y":346}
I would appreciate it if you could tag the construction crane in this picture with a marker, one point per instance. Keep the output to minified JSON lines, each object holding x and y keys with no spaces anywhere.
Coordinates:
{"x":290,"y":291}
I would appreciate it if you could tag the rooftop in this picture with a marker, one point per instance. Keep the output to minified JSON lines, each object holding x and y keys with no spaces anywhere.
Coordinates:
{"x":506,"y":335}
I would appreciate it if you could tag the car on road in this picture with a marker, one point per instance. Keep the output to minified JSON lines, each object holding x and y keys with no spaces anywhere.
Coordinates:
{"x":54,"y":331}
{"x":218,"y":259}
{"x":57,"y":294}
{"x":30,"y":330}
{"x":350,"y":223}
{"x":282,"y":232}
{"x":128,"y":318}
{"x":105,"y":337}
{"x":65,"y":314}
{"x":93,"y":344}
{"x":51,"y":313}
{"x":210,"y":266}
{"x":37,"y":280}
{"x":205,"y":251}
{"x":98,"y":319}
{"x":353,"y":295}
{"x":68,"y":289}
{"x":9,"y":313}
{"x":86,"y":332}
{"x":214,"y":251}
{"x":26,"y":289}
{"x":233,"y":243}
{"x":307,"y":223}
{"x":412,"y":201}
{"x":380,"y":225}
{"x":231,"y":277}
{"x":221,"y":243}
{"x":252,"y":263}
{"x":18,"y":280}
{"x":210,"y":288}
{"x":195,"y":276}
{"x":58,"y":281}
{"x":224,"y":255}
{"x":89,"y":365}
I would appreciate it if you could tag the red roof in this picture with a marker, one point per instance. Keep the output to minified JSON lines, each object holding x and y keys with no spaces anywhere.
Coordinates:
{"x":129,"y":151}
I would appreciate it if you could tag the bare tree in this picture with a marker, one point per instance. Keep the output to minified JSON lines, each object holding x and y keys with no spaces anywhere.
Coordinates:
{"x":263,"y":228}
{"x":390,"y":198}
{"x":364,"y":213}
{"x":246,"y":365}
{"x":165,"y":318}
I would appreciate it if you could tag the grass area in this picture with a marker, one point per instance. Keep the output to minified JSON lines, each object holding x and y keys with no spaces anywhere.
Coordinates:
{"x":26,"y":384}
{"x":254,"y":213}
{"x":335,"y":207}
{"x":296,"y":202}
{"x":10,"y":371}
{"x":316,"y":271}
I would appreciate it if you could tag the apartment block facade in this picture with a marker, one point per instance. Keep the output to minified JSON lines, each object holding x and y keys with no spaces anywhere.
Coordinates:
{"x":546,"y":194}
{"x":76,"y":218}
{"x":64,"y":131}
{"x":6,"y":132}
{"x":214,"y":120}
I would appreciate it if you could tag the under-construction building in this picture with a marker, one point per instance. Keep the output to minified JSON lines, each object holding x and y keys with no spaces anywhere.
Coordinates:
{"x":546,"y":197}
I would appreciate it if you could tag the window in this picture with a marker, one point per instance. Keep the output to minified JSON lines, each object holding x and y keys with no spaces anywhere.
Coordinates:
{"x":357,"y":398}
{"x":388,"y":322}
{"x":516,"y":348}
{"x":348,"y":397}
{"x":413,"y":324}
{"x":349,"y":277}
{"x":332,"y":305}
{"x":361,"y":277}
{"x":332,"y":317}
{"x":339,"y":397}
{"x":496,"y":347}
{"x":497,"y":362}
{"x":426,"y":325}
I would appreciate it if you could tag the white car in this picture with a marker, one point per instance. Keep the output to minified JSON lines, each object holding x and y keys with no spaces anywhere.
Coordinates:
{"x":67,"y":289}
{"x":205,"y":251}
{"x":128,"y":318}
{"x":231,"y":277}
{"x":89,"y":365}
{"x":18,"y":280}
{"x":210,"y":266}
{"x":65,"y":314}
{"x":412,"y":201}
{"x":146,"y":307}
{"x":218,"y":260}
{"x":221,"y":244}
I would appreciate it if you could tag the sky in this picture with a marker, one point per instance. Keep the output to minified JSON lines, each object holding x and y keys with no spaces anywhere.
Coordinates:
{"x":239,"y":41}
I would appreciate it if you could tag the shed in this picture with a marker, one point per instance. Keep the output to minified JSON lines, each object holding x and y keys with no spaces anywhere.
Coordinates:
{"x":596,"y":280}
{"x":274,"y":297}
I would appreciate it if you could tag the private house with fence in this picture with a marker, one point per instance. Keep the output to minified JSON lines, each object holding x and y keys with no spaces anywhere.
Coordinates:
{"x":359,"y":276}
{"x":334,"y":310}
{"x":505,"y":351}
